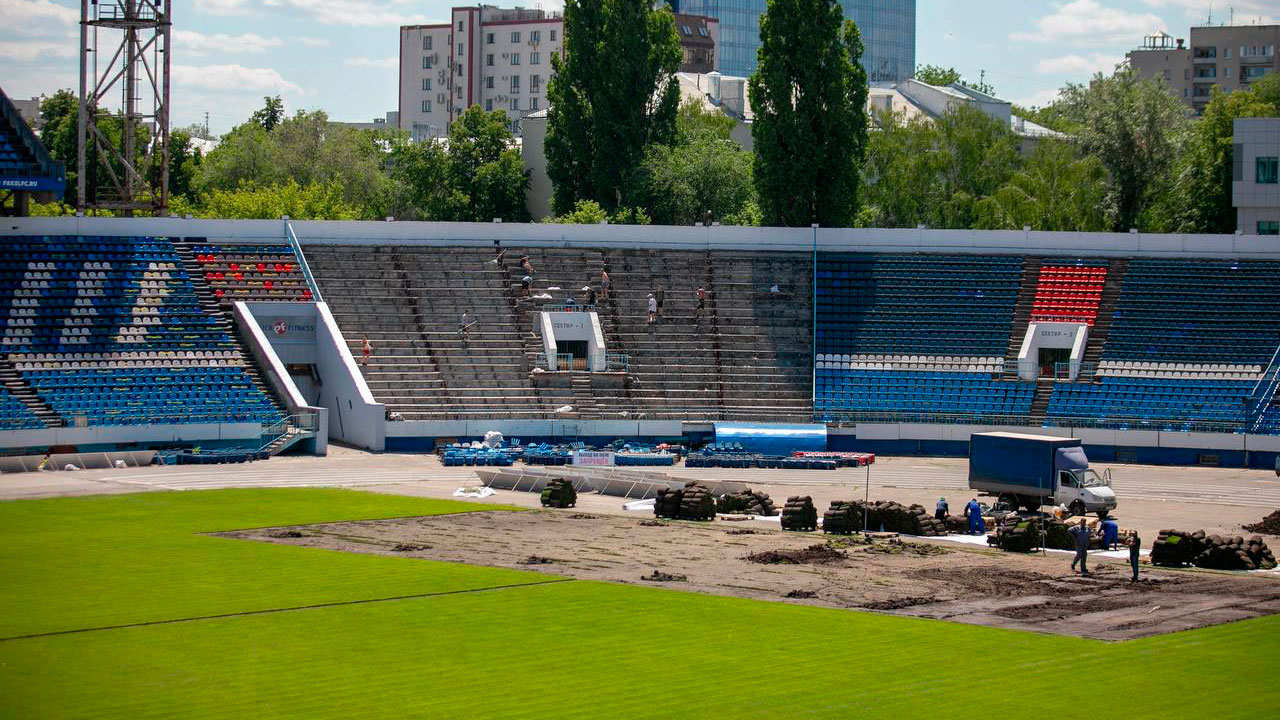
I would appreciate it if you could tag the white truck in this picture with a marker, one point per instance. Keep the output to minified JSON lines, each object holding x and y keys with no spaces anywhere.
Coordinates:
{"x":1032,"y":470}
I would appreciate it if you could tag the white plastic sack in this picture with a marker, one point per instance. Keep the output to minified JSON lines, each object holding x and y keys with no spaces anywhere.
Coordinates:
{"x":70,"y":467}
{"x":120,"y":464}
{"x":492,"y":439}
{"x":478,"y":491}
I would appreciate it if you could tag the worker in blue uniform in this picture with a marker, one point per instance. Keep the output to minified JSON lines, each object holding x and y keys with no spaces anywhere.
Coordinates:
{"x":973,"y":511}
{"x":1110,"y":534}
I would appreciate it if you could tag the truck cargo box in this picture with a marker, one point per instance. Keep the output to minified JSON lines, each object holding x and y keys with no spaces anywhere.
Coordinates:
{"x":1002,"y":462}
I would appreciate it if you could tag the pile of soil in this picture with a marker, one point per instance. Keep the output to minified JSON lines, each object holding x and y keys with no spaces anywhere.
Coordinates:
{"x":409,"y":547}
{"x":898,"y":603}
{"x":285,"y":534}
{"x":747,"y":502}
{"x":799,"y":514}
{"x":812,"y":555}
{"x":894,"y":546}
{"x":536,"y":560}
{"x":743,"y":531}
{"x":801,"y":594}
{"x":1269,"y":524}
{"x":659,"y":576}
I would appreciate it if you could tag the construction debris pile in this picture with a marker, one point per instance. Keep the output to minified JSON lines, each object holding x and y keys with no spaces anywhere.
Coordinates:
{"x":747,"y":502}
{"x":799,"y":514}
{"x":1179,"y":548}
{"x":559,"y":493}
{"x":845,"y":517}
{"x":691,"y":502}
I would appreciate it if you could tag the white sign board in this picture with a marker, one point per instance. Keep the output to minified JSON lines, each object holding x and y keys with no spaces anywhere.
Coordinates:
{"x":592,"y":457}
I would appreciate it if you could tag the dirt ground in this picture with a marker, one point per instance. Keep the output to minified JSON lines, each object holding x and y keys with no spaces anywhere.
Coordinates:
{"x":743,"y":559}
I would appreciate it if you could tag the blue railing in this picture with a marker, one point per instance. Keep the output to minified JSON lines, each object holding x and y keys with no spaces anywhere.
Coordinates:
{"x":302,"y":261}
{"x":1264,"y":391}
{"x":615,"y":362}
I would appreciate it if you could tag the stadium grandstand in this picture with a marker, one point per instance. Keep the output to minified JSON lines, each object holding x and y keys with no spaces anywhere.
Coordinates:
{"x":27,"y":171}
{"x":269,"y":335}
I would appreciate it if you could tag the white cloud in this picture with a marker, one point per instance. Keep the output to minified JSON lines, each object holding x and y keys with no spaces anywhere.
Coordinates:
{"x":312,"y":42}
{"x":1078,"y":64}
{"x":1089,"y":22}
{"x":32,"y":50}
{"x":1038,"y":99}
{"x":223,"y":7}
{"x":195,"y":43}
{"x":37,"y":15}
{"x":231,"y":78}
{"x":1246,"y":11}
{"x":364,"y":62}
{"x":354,"y":12}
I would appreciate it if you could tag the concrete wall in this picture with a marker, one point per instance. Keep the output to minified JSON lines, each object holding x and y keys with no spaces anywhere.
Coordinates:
{"x":354,"y":416}
{"x":245,"y":434}
{"x":1062,"y":244}
{"x":292,"y":325}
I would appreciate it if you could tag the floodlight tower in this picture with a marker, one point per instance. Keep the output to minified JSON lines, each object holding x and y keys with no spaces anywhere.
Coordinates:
{"x":131,"y":163}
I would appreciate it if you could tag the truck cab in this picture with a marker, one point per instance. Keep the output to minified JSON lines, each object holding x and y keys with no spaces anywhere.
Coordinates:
{"x":1085,"y":491}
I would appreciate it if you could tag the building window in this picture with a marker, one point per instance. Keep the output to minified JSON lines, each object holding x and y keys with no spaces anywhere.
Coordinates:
{"x":488,"y":83}
{"x":426,"y":84}
{"x":488,"y":104}
{"x":461,"y":25}
{"x":1268,"y":171}
{"x":515,"y":83}
{"x":535,"y":36}
{"x":488,"y":60}
{"x":685,"y":29}
{"x":488,"y":39}
{"x":535,"y":84}
{"x":535,"y":58}
{"x":426,"y":106}
{"x":515,"y":36}
{"x":459,"y":66}
{"x":460,"y":50}
{"x":1269,"y":227}
{"x":426,"y":42}
{"x":553,"y":36}
{"x":426,"y":62}
{"x":459,"y":92}
{"x":533,"y":104}
{"x":515,"y":58}
{"x":515,"y":103}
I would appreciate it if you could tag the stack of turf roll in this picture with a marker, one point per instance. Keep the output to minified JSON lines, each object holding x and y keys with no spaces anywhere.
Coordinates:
{"x":747,"y":502}
{"x":1235,"y":553}
{"x":1176,"y":548}
{"x":697,"y":503}
{"x":667,"y":502}
{"x":843,"y":518}
{"x":559,"y":493}
{"x":1058,"y":535}
{"x":1016,"y":534}
{"x":890,"y":516}
{"x":799,"y":514}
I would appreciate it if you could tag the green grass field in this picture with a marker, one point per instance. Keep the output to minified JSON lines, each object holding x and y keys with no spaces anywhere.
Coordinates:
{"x":200,"y":639}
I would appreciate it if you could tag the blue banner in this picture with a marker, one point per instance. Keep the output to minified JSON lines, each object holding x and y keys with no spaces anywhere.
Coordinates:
{"x":773,"y":439}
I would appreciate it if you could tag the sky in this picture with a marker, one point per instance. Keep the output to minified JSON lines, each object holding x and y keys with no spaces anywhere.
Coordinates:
{"x":340,"y":55}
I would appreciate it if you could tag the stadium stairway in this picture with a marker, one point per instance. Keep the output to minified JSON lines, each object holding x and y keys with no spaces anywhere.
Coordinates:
{"x":1022,"y":311}
{"x":19,"y":389}
{"x":1106,"y":311}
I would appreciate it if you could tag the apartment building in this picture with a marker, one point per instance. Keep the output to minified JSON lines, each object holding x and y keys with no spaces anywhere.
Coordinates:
{"x":699,"y":37}
{"x":497,"y":58}
{"x":1255,"y":176}
{"x":1229,"y":57}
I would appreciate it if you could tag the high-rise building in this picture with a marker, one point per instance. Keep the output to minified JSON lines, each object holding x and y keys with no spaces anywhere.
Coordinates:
{"x":497,"y":58}
{"x":888,"y":31}
{"x":1229,"y":57}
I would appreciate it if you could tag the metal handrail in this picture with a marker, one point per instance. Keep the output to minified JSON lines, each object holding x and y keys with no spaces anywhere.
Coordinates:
{"x":1130,"y":423}
{"x":1259,"y":401}
{"x":300,"y":424}
{"x":302,"y":261}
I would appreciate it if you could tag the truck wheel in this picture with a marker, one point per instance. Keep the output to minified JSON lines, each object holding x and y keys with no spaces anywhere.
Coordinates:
{"x":1008,"y":499}
{"x":1031,"y":504}
{"x":1076,"y":507}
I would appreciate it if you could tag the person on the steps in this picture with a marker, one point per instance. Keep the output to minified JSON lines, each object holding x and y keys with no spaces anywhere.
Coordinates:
{"x":464,"y":326}
{"x":526,"y":283}
{"x":702,"y":303}
{"x":526,"y":265}
{"x":941,"y":509}
{"x":1135,"y":545}
{"x":604,"y":285}
{"x":1081,"y":533}
{"x":653,"y":308}
{"x":660,"y":295}
{"x":366,"y":350}
{"x":591,"y":295}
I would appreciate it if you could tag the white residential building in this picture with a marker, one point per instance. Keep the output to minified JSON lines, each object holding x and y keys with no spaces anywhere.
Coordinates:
{"x":1255,"y":177}
{"x":499,"y":59}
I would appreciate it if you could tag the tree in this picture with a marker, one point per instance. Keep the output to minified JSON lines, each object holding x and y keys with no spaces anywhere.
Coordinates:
{"x":184,"y":163}
{"x":61,"y":137}
{"x":1057,"y":190}
{"x":1267,"y":89}
{"x":420,"y":173}
{"x":809,"y":94}
{"x":311,"y":202}
{"x":485,"y":168}
{"x":270,"y":114}
{"x":1200,"y":201}
{"x":707,"y":178}
{"x":1134,"y":126}
{"x":942,"y":77}
{"x":589,"y":212}
{"x":611,"y":94}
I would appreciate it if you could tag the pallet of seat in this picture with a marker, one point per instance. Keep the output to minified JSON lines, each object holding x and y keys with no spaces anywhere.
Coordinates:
{"x":559,"y":493}
{"x":799,"y":514}
{"x":697,"y":503}
{"x":747,"y":502}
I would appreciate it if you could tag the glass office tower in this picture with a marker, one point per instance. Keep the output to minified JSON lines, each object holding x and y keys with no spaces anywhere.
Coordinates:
{"x":888,"y":31}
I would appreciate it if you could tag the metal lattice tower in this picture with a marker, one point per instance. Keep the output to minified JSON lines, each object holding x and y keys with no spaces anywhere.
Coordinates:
{"x":130,"y":168}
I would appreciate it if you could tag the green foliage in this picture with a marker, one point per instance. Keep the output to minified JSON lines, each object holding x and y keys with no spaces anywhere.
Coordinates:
{"x":611,"y":95}
{"x":809,"y":95}
{"x":485,"y":170}
{"x":1057,"y":190}
{"x":1200,"y":198}
{"x":1267,"y":89}
{"x":270,"y":114}
{"x":1135,"y":126}
{"x":706,"y":178}
{"x":184,"y":164}
{"x":941,"y":77}
{"x":317,"y":201}
{"x":1052,"y":116}
{"x":60,"y":135}
{"x":589,"y":212}
{"x":934,"y":172}
{"x":694,"y":122}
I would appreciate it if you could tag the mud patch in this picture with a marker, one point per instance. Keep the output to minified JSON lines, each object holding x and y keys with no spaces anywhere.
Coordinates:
{"x":659,"y":576}
{"x":812,"y":555}
{"x":801,"y":594}
{"x":899,"y":603}
{"x":895,"y":546}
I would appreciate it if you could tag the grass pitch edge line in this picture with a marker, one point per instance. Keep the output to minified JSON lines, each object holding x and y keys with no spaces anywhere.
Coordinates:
{"x":286,"y":609}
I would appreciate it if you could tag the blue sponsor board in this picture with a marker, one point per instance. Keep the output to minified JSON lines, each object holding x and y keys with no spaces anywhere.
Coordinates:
{"x":34,"y":184}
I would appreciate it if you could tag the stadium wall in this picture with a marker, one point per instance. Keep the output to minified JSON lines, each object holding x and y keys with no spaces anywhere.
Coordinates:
{"x":111,"y":437}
